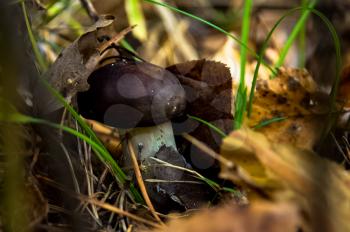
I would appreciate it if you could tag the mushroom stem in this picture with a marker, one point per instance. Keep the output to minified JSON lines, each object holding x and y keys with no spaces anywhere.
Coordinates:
{"x":148,"y":140}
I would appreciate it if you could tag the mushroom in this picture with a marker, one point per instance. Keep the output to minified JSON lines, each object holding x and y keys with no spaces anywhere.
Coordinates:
{"x":141,"y":99}
{"x":137,"y":97}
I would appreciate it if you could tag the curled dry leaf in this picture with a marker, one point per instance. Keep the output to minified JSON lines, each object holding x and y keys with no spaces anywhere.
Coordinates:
{"x":320,"y":188}
{"x":69,"y":73}
{"x":256,"y":217}
{"x":294,"y":96}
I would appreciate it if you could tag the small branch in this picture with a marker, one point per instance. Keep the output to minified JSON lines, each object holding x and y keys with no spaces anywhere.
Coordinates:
{"x":142,"y":184}
{"x":115,"y":39}
{"x":98,"y":203}
{"x":120,"y":212}
{"x":90,"y":9}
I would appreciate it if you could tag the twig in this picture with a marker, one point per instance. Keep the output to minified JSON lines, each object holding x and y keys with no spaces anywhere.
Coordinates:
{"x":98,"y":127}
{"x":142,"y":184}
{"x":130,"y":228}
{"x":115,"y":39}
{"x":71,"y":168}
{"x":120,"y":212}
{"x":195,"y":174}
{"x":100,"y":204}
{"x":90,"y":9}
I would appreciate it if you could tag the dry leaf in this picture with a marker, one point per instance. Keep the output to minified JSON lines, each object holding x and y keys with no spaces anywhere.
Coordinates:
{"x":208,"y":86}
{"x":292,"y":95}
{"x":257,"y":217}
{"x":208,"y":91}
{"x":70,"y":71}
{"x":319,"y":187}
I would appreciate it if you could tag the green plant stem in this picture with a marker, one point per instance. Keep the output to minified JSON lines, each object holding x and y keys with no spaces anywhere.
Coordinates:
{"x":302,"y":39}
{"x":251,"y":51}
{"x":211,"y":126}
{"x":336,"y":42}
{"x":241,"y":96}
{"x":268,"y":122}
{"x":100,"y":151}
{"x":37,"y":53}
{"x":105,"y":156}
{"x":296,"y":30}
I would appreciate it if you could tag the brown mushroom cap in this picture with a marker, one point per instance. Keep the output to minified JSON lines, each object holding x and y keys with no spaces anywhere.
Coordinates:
{"x":129,"y":94}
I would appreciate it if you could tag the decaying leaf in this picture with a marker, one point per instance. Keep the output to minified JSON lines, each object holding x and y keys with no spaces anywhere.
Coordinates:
{"x":76,"y":62}
{"x":208,"y":87}
{"x":256,"y":217}
{"x":319,"y":187}
{"x":69,"y":73}
{"x":173,"y":188}
{"x":294,"y":96}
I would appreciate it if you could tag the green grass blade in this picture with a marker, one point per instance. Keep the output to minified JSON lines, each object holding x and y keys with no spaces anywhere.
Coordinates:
{"x":211,"y":126}
{"x":268,"y":122}
{"x":127,"y":46}
{"x":240,"y":105}
{"x":262,"y":51}
{"x":39,"y":57}
{"x":302,"y":39}
{"x":99,"y":150}
{"x":24,"y":119}
{"x":105,"y":156}
{"x":296,"y":30}
{"x":55,"y":9}
{"x":336,"y":42}
{"x":251,"y":51}
{"x":241,"y":97}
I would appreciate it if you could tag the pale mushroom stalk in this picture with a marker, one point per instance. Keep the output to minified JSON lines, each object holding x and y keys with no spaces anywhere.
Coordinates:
{"x":148,"y":140}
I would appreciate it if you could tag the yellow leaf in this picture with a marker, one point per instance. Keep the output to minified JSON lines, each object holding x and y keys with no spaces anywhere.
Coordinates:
{"x":319,"y":187}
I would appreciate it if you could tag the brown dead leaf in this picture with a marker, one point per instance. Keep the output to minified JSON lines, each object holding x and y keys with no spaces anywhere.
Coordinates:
{"x":295,"y":96}
{"x":319,"y":187}
{"x":69,"y":73}
{"x":208,"y":90}
{"x":71,"y":69}
{"x":256,"y":217}
{"x":208,"y":86}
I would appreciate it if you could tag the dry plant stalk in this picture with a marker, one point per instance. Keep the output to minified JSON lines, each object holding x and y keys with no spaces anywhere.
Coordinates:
{"x":142,"y":184}
{"x":115,"y":39}
{"x":120,"y":212}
